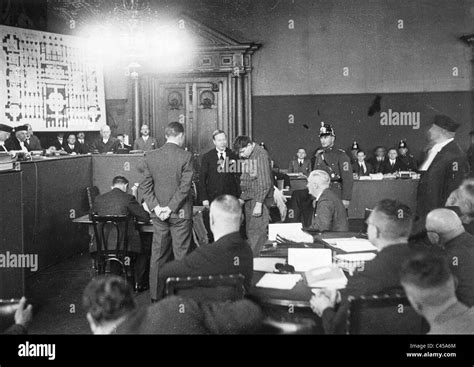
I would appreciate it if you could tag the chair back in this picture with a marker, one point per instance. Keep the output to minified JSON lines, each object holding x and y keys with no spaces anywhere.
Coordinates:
{"x":92,"y":193}
{"x":214,"y":288}
{"x":384,"y":314}
{"x":110,"y":230}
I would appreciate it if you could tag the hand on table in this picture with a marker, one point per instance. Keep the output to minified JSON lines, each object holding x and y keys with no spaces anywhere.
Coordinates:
{"x":323,"y":299}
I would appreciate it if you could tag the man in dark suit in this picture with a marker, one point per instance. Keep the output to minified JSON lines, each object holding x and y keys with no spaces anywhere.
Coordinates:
{"x":445,"y":229}
{"x":84,"y":146}
{"x":301,"y":164}
{"x":406,"y":158}
{"x":230,"y":254}
{"x":5,"y":132}
{"x":443,"y":170}
{"x":392,"y":164}
{"x":112,"y":309}
{"x":17,"y":141}
{"x":378,"y":159}
{"x":214,"y":180}
{"x":32,"y":141}
{"x":361,"y":167}
{"x":166,"y":189}
{"x":119,"y":202}
{"x":71,"y":146}
{"x":122,"y":146}
{"x":327,"y":212}
{"x":145,"y":142}
{"x":389,"y":226}
{"x":58,"y":142}
{"x":105,"y":143}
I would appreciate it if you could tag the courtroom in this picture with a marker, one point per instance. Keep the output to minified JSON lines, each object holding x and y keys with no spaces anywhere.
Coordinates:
{"x":213,"y":167}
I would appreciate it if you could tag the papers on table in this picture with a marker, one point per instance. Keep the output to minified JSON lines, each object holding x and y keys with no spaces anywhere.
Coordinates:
{"x":365,"y":178}
{"x":295,"y":175}
{"x":278,"y":281}
{"x":358,"y":257}
{"x":326,"y":277}
{"x":376,"y":176}
{"x":267,"y":264}
{"x":289,"y":231}
{"x":351,"y":244}
{"x":304,"y":259}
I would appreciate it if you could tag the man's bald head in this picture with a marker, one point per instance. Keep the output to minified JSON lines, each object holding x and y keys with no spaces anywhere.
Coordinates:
{"x":225,"y":214}
{"x":445,"y":222}
{"x":318,"y":181}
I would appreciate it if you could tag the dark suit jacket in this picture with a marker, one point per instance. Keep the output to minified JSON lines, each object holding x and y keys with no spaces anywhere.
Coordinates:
{"x":460,"y":251}
{"x":212,"y":259}
{"x":176,"y":315}
{"x":381,"y":275}
{"x":168,"y":179}
{"x":12,"y":143}
{"x":111,"y":146}
{"x":444,"y":175}
{"x":150,"y":144}
{"x":213,"y":183}
{"x":34,"y":143}
{"x":57,"y":144}
{"x":295,"y":166}
{"x":329,"y":214}
{"x":117,"y":202}
{"x":75,"y":149}
{"x":357,"y":169}
{"x":388,"y":168}
{"x":377,"y":167}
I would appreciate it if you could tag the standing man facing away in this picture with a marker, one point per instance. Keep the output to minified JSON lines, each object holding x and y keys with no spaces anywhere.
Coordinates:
{"x":166,"y":189}
{"x":145,"y":142}
{"x":443,"y":170}
{"x":256,"y":186}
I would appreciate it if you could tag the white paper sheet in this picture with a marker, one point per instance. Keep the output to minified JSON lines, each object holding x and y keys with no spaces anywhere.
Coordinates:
{"x":351,"y":244}
{"x":357,"y":257}
{"x":304,"y":259}
{"x":278,"y":281}
{"x":282,"y":229}
{"x":267,"y":264}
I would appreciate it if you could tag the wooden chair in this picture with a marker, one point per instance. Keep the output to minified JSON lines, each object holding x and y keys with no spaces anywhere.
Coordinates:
{"x":92,"y":193}
{"x":107,"y":230}
{"x":384,"y":314}
{"x":207,"y":287}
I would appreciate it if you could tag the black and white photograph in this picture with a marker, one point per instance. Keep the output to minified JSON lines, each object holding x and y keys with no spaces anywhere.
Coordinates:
{"x":291,"y":171}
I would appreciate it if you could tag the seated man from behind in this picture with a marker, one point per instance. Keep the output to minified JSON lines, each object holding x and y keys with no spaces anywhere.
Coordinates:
{"x":111,"y":309}
{"x":445,"y":229}
{"x":119,"y":202}
{"x":461,"y":200}
{"x":430,"y":287}
{"x":327,"y":212}
{"x":389,"y":226}
{"x":229,"y":254}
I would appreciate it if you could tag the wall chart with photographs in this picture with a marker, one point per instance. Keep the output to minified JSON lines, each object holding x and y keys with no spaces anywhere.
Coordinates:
{"x":50,"y":81}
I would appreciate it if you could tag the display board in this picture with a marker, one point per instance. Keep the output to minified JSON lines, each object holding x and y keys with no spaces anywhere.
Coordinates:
{"x":53,"y":82}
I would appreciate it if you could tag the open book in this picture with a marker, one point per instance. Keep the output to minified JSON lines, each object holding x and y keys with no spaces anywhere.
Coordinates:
{"x":326,"y":277}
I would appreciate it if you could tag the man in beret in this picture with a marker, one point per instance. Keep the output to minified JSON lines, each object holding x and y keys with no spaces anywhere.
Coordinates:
{"x":5,"y":132}
{"x":443,"y":170}
{"x":17,"y":142}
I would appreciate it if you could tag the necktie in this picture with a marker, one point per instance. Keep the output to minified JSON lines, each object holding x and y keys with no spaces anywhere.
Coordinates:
{"x":221,"y":156}
{"x":301,"y":163}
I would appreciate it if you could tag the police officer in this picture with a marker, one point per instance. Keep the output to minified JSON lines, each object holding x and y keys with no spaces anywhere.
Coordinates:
{"x":336,"y":163}
{"x":354,"y":149}
{"x":408,"y":161}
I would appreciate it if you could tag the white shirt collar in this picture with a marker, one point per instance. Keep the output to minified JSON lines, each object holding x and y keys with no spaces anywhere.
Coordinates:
{"x":145,"y":138}
{"x":393,"y":161}
{"x":105,"y":141}
{"x":439,"y":146}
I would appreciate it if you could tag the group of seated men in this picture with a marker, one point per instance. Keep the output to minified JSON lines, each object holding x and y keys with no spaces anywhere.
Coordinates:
{"x":22,"y":139}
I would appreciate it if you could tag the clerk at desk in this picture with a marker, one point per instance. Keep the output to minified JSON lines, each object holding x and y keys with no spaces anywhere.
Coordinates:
{"x":106,"y":143}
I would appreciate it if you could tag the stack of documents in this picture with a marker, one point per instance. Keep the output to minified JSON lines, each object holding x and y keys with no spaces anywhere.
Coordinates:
{"x":304,"y":259}
{"x":351,"y":244}
{"x":326,"y":277}
{"x":290,"y":231}
{"x":354,"y":261}
{"x":278,"y":281}
{"x":376,"y":176}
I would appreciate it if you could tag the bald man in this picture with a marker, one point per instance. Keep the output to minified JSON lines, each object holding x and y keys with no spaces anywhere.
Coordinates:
{"x":444,"y":228}
{"x":329,"y":213}
{"x":105,"y":143}
{"x":229,"y":254}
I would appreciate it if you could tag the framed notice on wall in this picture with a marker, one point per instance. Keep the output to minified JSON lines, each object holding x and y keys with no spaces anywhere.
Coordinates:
{"x":50,"y":81}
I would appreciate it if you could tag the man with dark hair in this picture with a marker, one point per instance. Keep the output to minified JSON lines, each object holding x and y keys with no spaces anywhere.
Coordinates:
{"x":445,"y":229}
{"x":166,"y":189}
{"x":145,"y":142}
{"x":360,"y":166}
{"x":378,"y":159}
{"x":58,"y":142}
{"x":443,"y":170}
{"x":122,"y":145}
{"x":256,"y":187}
{"x":230,"y":254}
{"x":71,"y":146}
{"x":389,"y":226}
{"x":392,"y":164}
{"x":214,"y":178}
{"x":111,"y":309}
{"x":119,"y":202}
{"x":430,"y":287}
{"x":301,"y":164}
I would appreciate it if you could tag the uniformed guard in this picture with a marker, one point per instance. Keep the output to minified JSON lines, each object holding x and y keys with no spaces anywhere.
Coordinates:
{"x":354,"y":149}
{"x":335,"y":162}
{"x":409,"y":162}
